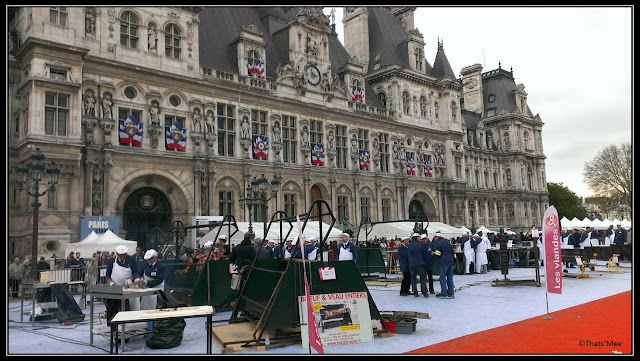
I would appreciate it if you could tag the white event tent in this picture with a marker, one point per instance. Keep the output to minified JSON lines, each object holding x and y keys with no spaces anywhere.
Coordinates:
{"x":312,"y":228}
{"x":108,"y":241}
{"x":399,"y":229}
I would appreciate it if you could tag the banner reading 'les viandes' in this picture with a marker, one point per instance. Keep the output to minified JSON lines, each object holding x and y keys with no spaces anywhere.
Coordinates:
{"x":552,"y":252}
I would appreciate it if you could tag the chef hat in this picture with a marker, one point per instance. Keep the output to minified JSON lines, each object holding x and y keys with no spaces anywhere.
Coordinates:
{"x":422,"y":236}
{"x":222,"y":238}
{"x":208,"y":244}
{"x":270,"y":240}
{"x":312,"y":239}
{"x":150,"y":254}
{"x":121,"y":249}
{"x":404,"y":238}
{"x":438,"y":234}
{"x":346,"y":234}
{"x":415,"y":235}
{"x":290,"y":239}
{"x":475,"y":235}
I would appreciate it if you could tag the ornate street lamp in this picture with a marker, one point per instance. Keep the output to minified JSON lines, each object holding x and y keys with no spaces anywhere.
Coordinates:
{"x":36,"y":167}
{"x":257,"y":194}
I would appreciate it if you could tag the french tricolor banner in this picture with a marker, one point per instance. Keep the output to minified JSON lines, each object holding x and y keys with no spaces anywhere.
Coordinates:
{"x":175,"y":137}
{"x":552,"y":242}
{"x":428,"y":168}
{"x":130,"y":131}
{"x":365,"y":159}
{"x":317,"y":154}
{"x":411,"y":165}
{"x":357,"y":95}
{"x":256,"y":69}
{"x":260,"y":147}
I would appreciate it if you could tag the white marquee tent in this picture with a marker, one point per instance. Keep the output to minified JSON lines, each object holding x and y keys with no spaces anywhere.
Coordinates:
{"x":586,"y":222}
{"x":311,"y":229}
{"x":400,"y":229}
{"x":108,"y":241}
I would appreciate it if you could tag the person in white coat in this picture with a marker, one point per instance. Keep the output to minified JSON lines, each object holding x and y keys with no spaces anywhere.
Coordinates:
{"x":121,"y":271}
{"x":313,"y":254}
{"x":481,"y":255}
{"x":469,"y":253}
{"x":289,"y":248}
{"x":540,"y":249}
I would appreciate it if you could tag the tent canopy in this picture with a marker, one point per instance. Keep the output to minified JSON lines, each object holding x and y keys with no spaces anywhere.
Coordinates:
{"x":311,"y":229}
{"x":484,"y":230}
{"x":400,"y":229}
{"x":108,"y":241}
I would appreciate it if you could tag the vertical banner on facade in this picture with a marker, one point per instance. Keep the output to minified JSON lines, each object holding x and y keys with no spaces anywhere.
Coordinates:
{"x":312,"y":326}
{"x":552,"y":252}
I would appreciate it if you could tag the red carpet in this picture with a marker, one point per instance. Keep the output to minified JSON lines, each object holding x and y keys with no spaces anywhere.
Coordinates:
{"x":599,"y":327}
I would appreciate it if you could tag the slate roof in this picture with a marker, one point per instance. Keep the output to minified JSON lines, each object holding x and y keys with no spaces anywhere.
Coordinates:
{"x":500,"y":83}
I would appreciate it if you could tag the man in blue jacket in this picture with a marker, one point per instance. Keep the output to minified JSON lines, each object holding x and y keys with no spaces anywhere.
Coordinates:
{"x":428,"y":261}
{"x":417,"y":256}
{"x":444,"y":250}
{"x":153,"y":276}
{"x":403,"y":260}
{"x":621,"y":235}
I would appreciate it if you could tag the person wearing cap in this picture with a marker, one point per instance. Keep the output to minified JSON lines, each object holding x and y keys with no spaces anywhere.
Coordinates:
{"x":312,"y":248}
{"x":403,"y":261}
{"x":609,"y":235}
{"x":277,"y":251}
{"x":584,"y":237}
{"x":261,"y":251}
{"x":428,"y":261}
{"x":417,"y":256}
{"x":347,"y":251}
{"x":121,"y":271}
{"x":289,"y":248}
{"x":621,"y":235}
{"x":270,"y":247}
{"x":482,"y":260}
{"x":444,"y":252}
{"x":222,"y":245}
{"x":153,"y":276}
{"x":469,"y":253}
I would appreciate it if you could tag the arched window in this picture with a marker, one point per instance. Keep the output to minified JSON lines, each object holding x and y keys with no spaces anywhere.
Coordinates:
{"x":406,"y":106}
{"x":129,"y":29}
{"x":172,"y":41}
{"x":383,"y":99}
{"x":423,"y":106}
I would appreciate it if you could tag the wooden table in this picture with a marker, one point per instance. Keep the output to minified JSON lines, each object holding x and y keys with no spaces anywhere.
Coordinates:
{"x":124,"y":317}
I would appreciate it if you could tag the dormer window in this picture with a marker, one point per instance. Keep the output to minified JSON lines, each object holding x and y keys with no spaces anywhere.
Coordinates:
{"x":255,"y":67}
{"x":419,"y":56}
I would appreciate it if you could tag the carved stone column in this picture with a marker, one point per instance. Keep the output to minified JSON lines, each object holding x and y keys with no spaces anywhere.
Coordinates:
{"x":106,"y":173}
{"x":356,"y":193}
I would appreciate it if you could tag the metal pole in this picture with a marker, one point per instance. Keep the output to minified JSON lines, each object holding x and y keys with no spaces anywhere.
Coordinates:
{"x":34,"y":242}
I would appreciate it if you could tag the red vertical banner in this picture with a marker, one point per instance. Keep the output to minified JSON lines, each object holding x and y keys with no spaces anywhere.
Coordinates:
{"x":314,"y":336}
{"x":552,"y":253}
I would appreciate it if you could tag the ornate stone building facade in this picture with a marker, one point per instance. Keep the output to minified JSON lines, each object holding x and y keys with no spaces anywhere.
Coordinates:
{"x":217,"y":96}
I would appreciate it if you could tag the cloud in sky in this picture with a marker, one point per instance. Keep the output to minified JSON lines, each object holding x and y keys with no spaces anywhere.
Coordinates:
{"x":575,"y":64}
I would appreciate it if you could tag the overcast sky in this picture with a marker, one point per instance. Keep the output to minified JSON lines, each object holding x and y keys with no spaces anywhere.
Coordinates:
{"x":575,"y":64}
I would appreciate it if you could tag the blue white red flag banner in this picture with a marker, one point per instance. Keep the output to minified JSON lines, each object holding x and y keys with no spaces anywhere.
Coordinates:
{"x":411,"y":165}
{"x":317,"y":154}
{"x":365,"y":159}
{"x":130,"y":131}
{"x":314,"y":335}
{"x":552,"y":241}
{"x":357,"y":95}
{"x":260,"y":147}
{"x":175,"y":137}
{"x":256,"y":69}
{"x":428,"y":168}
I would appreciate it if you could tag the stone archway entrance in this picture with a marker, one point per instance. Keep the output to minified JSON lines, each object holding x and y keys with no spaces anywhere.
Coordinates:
{"x":145,"y":209}
{"x":416,"y":211}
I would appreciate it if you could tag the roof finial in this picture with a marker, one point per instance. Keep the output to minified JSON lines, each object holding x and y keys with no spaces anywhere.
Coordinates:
{"x":499,"y":65}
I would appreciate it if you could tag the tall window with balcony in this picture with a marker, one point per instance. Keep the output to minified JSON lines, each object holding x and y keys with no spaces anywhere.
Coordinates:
{"x":365,"y":209}
{"x":386,"y":209}
{"x":58,"y":15}
{"x":289,"y":136}
{"x":385,"y":155}
{"x":129,"y":24}
{"x":172,"y":41}
{"x":226,"y":129}
{"x":56,"y":113}
{"x":363,"y":139}
{"x":341,"y":146}
{"x":315,"y":131}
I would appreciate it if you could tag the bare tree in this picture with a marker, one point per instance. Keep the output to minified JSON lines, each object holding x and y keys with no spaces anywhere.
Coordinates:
{"x":609,"y":174}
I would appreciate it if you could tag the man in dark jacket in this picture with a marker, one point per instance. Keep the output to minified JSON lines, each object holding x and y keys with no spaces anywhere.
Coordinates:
{"x":403,"y":260}
{"x":444,"y":250}
{"x":428,"y":261}
{"x":244,"y":253}
{"x":417,"y":256}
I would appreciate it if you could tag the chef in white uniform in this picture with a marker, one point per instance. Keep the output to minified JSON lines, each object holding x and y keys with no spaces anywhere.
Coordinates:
{"x":469,"y":253}
{"x":481,"y":255}
{"x":347,"y":250}
{"x":313,"y":254}
{"x":153,"y":276}
{"x":121,"y":271}
{"x":289,"y":247}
